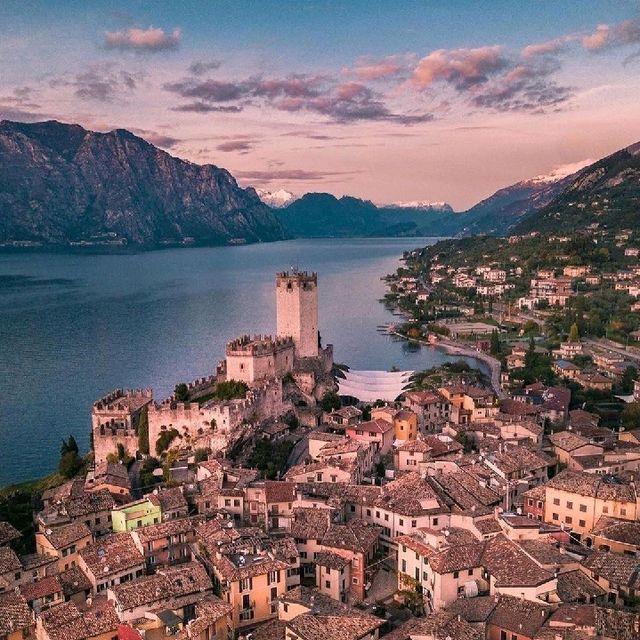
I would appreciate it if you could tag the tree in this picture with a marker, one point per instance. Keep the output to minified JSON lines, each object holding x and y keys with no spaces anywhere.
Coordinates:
{"x":165,"y":439}
{"x":628,"y":377}
{"x":495,"y":343}
{"x":574,"y":334}
{"x":530,"y":355}
{"x":70,"y":464}
{"x":181,"y":392}
{"x":143,"y":433}
{"x":231,"y":390}
{"x":630,"y":417}
{"x":201,"y":455}
{"x":330,"y":401}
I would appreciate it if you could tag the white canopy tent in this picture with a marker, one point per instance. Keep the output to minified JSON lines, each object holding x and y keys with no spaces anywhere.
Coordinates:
{"x":369,"y":386}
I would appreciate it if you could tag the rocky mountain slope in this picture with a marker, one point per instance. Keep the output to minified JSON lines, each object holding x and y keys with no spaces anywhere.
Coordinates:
{"x":61,"y":184}
{"x":606,"y":192}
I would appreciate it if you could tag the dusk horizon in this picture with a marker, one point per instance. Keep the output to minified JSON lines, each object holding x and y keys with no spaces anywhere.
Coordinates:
{"x":419,"y":103}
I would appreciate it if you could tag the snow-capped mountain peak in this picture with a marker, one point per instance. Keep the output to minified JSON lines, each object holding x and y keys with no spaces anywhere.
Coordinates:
{"x":422,"y":204}
{"x":277,"y":199}
{"x":561,"y":172}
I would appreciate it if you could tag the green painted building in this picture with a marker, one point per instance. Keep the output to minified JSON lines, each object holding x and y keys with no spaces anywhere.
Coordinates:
{"x":135,"y":514}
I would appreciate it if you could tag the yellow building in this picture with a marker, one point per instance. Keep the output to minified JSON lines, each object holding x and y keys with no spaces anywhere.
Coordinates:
{"x":64,"y":543}
{"x":578,"y":500}
{"x":405,"y":422}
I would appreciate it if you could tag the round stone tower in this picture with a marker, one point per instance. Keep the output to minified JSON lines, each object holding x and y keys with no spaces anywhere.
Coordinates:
{"x":297,"y":310}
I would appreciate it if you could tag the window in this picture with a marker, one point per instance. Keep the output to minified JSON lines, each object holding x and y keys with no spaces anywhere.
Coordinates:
{"x":369,"y":512}
{"x":355,"y":580}
{"x":623,"y":512}
{"x":414,"y":523}
{"x":377,"y":514}
{"x":568,"y":519}
{"x":227,"y":502}
{"x":456,"y":574}
{"x":274,"y":576}
{"x":530,"y":502}
{"x":245,"y":584}
{"x":503,"y":635}
{"x":554,"y":516}
{"x":582,"y":523}
{"x":435,"y":522}
{"x":404,"y":566}
{"x":386,"y":517}
{"x":605,"y":509}
{"x":470,"y":572}
{"x":583,"y":508}
{"x":327,"y":584}
{"x":556,"y":501}
{"x":353,"y":508}
{"x":236,"y":503}
{"x":569,"y":505}
{"x":401,"y":522}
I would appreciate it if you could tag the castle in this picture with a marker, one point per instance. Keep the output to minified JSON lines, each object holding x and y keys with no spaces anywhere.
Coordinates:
{"x":262,"y":362}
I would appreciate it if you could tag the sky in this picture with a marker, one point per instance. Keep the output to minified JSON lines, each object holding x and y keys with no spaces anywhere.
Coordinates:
{"x":388,"y":101}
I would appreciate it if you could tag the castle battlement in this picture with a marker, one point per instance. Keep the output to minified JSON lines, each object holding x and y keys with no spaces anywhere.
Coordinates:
{"x":123,"y":400}
{"x":294,"y":277}
{"x":258,"y":345}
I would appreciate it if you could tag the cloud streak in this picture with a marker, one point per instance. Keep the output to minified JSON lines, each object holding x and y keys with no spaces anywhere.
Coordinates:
{"x":136,"y":39}
{"x":612,"y":36}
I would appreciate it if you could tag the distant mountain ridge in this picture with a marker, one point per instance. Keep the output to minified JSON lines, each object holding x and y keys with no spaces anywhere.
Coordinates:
{"x":61,"y":185}
{"x":606,"y":192}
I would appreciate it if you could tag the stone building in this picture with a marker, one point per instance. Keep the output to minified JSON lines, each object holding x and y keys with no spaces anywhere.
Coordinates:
{"x":259,"y":358}
{"x":297,"y":310}
{"x":116,"y":419}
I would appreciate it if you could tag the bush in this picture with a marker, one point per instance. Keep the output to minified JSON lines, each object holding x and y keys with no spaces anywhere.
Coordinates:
{"x":330,"y":401}
{"x":70,"y":464}
{"x":201,"y":455}
{"x":181,"y":392}
{"x":231,"y":390}
{"x":165,"y":439}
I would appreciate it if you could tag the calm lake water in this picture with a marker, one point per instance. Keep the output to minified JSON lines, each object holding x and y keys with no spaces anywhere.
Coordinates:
{"x":73,"y":327}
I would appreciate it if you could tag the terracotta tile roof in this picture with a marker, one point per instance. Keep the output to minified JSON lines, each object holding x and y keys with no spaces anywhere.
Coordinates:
{"x":40,"y":588}
{"x":545,"y":552}
{"x":340,"y":447}
{"x":167,"y":584}
{"x":476,"y":609}
{"x":414,"y":543}
{"x":66,"y":622}
{"x":444,"y":625}
{"x":578,"y":615}
{"x":577,"y":586}
{"x":225,"y":566}
{"x":9,"y":561}
{"x":617,"y":568}
{"x":410,"y":495}
{"x":517,"y":459}
{"x":89,"y":503}
{"x":272,"y":630}
{"x":171,"y":499}
{"x":537,"y":493}
{"x":466,"y":491}
{"x":373,"y":426}
{"x":279,"y":491}
{"x":325,"y":436}
{"x":348,"y":626}
{"x":567,"y":440}
{"x":164,"y":529}
{"x":523,"y":617}
{"x":8,"y":533}
{"x":458,"y":558}
{"x":361,"y":494}
{"x":617,"y":530}
{"x":331,"y":560}
{"x":518,"y":408}
{"x":594,"y":485}
{"x":67,"y":534}
{"x":487,"y":526}
{"x":73,"y":581}
{"x":112,"y":554}
{"x":355,"y":535}
{"x":510,"y":565}
{"x":15,"y":613}
{"x":309,"y":523}
{"x":424,"y":398}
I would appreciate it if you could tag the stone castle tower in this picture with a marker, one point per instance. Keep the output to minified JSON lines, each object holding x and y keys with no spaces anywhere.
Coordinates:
{"x":297,"y":310}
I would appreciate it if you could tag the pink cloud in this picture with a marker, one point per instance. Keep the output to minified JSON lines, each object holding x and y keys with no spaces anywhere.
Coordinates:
{"x":549,"y":47}
{"x":608,"y":36}
{"x":462,"y":68}
{"x":598,"y":39}
{"x":150,"y":39}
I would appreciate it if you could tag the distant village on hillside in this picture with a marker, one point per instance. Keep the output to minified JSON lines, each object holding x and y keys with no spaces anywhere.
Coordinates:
{"x":264,"y":503}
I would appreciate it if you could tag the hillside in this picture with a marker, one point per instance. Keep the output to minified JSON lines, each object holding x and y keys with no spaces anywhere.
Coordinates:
{"x":61,"y":184}
{"x":606,"y":192}
{"x":322,"y":215}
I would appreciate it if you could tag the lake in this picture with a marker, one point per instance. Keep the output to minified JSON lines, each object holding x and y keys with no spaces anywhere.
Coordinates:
{"x":73,"y":327}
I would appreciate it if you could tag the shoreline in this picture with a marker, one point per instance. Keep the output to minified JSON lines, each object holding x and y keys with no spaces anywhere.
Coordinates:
{"x":456,"y":348}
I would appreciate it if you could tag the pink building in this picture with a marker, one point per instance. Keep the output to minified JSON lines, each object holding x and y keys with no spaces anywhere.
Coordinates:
{"x":380,"y":432}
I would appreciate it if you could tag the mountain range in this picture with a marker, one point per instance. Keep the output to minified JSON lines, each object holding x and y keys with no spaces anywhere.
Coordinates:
{"x":62,"y":185}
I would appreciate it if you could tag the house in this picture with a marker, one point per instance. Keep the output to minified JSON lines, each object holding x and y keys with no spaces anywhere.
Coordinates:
{"x":533,"y":502}
{"x":577,"y":500}
{"x":43,"y":594}
{"x":249,"y":579}
{"x":16,"y":618}
{"x":343,"y":471}
{"x":574,"y":271}
{"x":469,"y":403}
{"x":516,"y":618}
{"x":566,"y":369}
{"x":110,"y":561}
{"x":67,"y":622}
{"x":414,"y":454}
{"x":345,"y":416}
{"x":112,"y":477}
{"x":380,"y":432}
{"x":317,"y":439}
{"x":616,"y":535}
{"x":618,"y":574}
{"x":279,"y":500}
{"x":306,"y":614}
{"x":8,"y":534}
{"x":405,"y":421}
{"x":172,"y":503}
{"x":10,"y":569}
{"x":165,"y":543}
{"x":333,"y":575}
{"x":175,"y":589}
{"x":64,"y":543}
{"x":308,"y":527}
{"x":136,"y":514}
{"x":357,"y":541}
{"x":431,"y":408}
{"x":568,"y":446}
{"x":594,"y":381}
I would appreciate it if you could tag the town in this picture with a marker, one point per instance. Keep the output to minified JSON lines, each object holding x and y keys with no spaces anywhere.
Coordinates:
{"x":286,"y":497}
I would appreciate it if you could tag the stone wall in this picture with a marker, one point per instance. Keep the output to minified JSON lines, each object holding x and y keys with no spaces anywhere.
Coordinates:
{"x":259,"y":358}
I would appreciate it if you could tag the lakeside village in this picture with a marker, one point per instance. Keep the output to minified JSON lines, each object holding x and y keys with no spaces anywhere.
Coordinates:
{"x":266,"y":503}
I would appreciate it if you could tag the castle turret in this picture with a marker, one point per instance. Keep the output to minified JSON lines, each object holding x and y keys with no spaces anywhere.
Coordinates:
{"x":297,"y":310}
